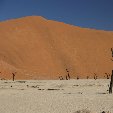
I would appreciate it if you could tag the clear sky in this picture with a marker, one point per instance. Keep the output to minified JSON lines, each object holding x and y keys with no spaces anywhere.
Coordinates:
{"x":97,"y":14}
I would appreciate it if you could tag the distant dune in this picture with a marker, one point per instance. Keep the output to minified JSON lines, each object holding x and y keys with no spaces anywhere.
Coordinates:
{"x":37,"y":48}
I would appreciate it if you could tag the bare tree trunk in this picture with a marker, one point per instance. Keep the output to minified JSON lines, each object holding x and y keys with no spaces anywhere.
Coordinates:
{"x":13,"y":76}
{"x":66,"y":77}
{"x":112,"y":78}
{"x":111,"y":83}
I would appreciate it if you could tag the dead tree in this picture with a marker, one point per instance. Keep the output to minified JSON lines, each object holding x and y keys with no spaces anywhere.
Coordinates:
{"x":95,"y":76}
{"x":68,"y":75}
{"x":111,"y":83}
{"x":13,"y":76}
{"x":112,"y":53}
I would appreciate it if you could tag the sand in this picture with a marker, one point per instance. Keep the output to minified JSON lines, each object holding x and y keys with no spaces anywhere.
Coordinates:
{"x":37,"y":48}
{"x":55,"y":96}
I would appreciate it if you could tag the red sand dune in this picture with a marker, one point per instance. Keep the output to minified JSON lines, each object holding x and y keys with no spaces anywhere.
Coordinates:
{"x":36,"y":48}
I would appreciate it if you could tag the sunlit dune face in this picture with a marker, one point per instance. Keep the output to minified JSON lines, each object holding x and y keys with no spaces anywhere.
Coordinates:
{"x":37,"y":48}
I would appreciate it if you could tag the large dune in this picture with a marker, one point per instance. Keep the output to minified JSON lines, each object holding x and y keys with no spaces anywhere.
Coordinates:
{"x":36,"y":48}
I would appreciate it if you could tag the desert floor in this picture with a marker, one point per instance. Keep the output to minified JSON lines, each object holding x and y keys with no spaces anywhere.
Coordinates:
{"x":55,"y":96}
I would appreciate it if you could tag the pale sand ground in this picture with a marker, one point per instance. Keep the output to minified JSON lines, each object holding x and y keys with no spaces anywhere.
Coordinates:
{"x":55,"y":96}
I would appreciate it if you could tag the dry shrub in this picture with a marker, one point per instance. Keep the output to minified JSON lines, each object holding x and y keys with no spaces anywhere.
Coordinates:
{"x":83,"y":111}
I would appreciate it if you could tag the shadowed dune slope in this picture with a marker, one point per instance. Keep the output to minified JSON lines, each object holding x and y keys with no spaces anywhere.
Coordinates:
{"x":36,"y":48}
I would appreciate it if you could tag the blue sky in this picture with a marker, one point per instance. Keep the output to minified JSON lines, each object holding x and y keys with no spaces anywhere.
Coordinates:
{"x":97,"y":14}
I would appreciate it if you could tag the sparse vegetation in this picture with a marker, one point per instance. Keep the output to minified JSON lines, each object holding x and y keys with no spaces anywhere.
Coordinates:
{"x":83,"y":111}
{"x":3,"y":79}
{"x":61,"y":78}
{"x":107,"y":75}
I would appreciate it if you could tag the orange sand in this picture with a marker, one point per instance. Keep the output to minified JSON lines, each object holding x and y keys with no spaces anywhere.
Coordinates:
{"x":36,"y":48}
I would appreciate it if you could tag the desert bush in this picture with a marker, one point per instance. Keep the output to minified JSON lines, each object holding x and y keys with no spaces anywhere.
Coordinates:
{"x":83,"y":111}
